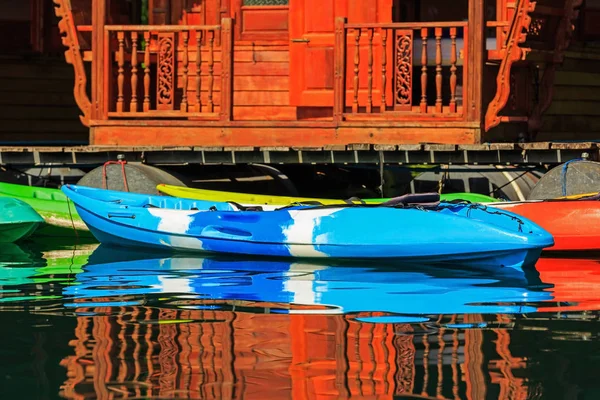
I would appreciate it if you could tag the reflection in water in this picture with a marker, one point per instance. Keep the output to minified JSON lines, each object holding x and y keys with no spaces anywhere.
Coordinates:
{"x":142,"y":326}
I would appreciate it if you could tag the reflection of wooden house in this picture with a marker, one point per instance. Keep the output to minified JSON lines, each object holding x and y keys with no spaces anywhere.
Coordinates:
{"x":318,"y":72}
{"x":144,"y":352}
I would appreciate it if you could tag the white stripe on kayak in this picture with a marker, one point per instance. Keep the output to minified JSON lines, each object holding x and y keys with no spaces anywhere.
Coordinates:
{"x":300,"y":232}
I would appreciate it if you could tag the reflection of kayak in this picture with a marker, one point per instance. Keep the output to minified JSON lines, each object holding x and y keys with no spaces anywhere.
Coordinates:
{"x":249,"y":198}
{"x":51,"y":204}
{"x":329,"y":288}
{"x":446,"y":233}
{"x":575,"y":224}
{"x":20,"y":265}
{"x":17,"y":220}
{"x":576,"y":282}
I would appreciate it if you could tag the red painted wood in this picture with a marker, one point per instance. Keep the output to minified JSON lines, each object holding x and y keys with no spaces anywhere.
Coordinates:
{"x":266,"y":134}
{"x":312,"y":35}
{"x":226,"y":71}
{"x":264,"y":23}
{"x":403,"y":76}
{"x":165,"y":88}
{"x":340,"y":56}
{"x":575,"y":224}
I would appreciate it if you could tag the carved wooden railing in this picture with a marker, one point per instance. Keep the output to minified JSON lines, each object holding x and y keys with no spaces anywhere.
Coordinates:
{"x":168,"y":71}
{"x":412,"y":70}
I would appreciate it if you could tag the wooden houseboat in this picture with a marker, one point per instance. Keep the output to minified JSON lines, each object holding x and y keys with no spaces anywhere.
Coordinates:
{"x":300,"y":73}
{"x":318,"y":73}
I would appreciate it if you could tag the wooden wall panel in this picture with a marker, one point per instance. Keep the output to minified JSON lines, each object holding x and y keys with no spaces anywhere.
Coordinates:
{"x":263,"y":23}
{"x":261,"y":84}
{"x":258,"y":23}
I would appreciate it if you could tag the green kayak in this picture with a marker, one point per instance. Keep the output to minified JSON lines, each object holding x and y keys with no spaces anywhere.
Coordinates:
{"x":18,"y":220}
{"x":61,"y":217}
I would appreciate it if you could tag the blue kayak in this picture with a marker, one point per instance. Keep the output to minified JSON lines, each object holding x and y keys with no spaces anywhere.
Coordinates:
{"x":470,"y":234}
{"x":119,"y":278}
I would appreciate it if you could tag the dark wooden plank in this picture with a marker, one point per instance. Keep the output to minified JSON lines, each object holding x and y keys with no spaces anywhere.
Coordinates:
{"x":569,"y":78}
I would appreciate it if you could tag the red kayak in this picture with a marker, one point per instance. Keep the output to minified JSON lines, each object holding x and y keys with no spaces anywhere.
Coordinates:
{"x":576,"y":283}
{"x":575,"y":224}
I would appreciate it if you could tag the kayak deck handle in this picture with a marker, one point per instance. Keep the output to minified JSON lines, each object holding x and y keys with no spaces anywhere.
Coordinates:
{"x":121,"y":215}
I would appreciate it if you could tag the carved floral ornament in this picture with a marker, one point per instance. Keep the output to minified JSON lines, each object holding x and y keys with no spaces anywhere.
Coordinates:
{"x":403,"y":69}
{"x":166,"y":69}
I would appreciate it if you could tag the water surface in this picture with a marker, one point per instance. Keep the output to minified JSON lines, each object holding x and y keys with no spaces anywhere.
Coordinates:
{"x":96,"y":322}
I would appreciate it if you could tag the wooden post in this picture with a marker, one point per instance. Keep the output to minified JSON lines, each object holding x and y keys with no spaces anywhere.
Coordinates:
{"x":211,"y":63}
{"x":453,"y":70}
{"x":226,"y":69}
{"x":121,"y":70}
{"x":147,"y":38}
{"x":438,"y":70}
{"x":98,"y":72}
{"x":370,"y":34}
{"x":339,"y":88}
{"x":199,"y":37}
{"x":475,"y":61}
{"x":184,"y":78}
{"x":423,"y":104}
{"x":133,"y":107}
{"x":356,"y":69}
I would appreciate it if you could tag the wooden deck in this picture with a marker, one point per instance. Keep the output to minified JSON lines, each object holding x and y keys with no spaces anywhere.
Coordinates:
{"x":498,"y":153}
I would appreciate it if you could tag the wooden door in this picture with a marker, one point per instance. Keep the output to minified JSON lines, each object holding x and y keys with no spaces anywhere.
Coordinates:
{"x":312,"y":28}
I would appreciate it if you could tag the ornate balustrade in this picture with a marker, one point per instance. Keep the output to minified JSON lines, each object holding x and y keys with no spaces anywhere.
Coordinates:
{"x":168,"y":71}
{"x":401,"y":70}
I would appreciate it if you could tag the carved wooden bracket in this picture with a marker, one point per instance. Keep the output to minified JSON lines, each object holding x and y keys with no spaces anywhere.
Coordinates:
{"x":563,"y":37}
{"x":73,"y":56}
{"x":517,"y":34}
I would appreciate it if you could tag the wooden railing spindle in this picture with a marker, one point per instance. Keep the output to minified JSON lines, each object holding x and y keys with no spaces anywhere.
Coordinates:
{"x":423,"y":105}
{"x":198,"y":70}
{"x":184,"y":78}
{"x":383,"y":68}
{"x":356,"y":64}
{"x":121,"y":70}
{"x":453,"y":59}
{"x":134,"y":72}
{"x":339,"y":86}
{"x":147,"y":72}
{"x":438,"y":69}
{"x":371,"y":33}
{"x":211,"y":78}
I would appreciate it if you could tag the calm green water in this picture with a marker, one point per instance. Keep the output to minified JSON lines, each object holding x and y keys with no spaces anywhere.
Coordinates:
{"x":95,"y":322}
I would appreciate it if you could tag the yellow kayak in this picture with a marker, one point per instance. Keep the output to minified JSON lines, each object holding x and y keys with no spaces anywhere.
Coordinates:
{"x":265,"y":199}
{"x":242,"y":198}
{"x":577,"y":196}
